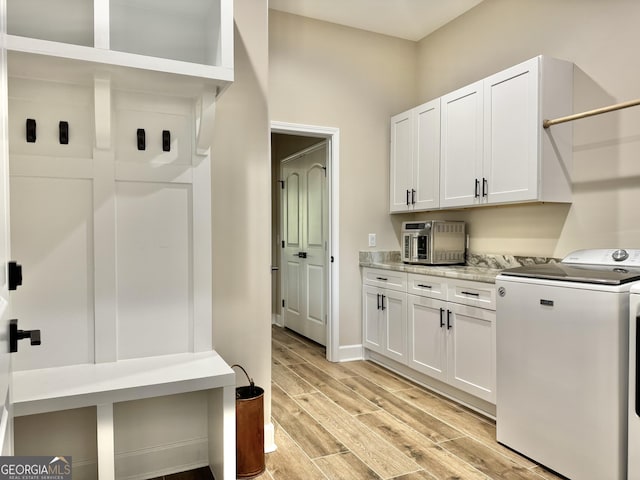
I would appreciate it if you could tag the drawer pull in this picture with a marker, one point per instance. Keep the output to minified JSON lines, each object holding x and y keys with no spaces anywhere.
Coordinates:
{"x":382,"y":278}
{"x":473,"y":294}
{"x":424,"y":286}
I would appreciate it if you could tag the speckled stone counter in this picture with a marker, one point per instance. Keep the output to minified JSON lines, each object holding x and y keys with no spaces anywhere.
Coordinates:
{"x":479,"y":268}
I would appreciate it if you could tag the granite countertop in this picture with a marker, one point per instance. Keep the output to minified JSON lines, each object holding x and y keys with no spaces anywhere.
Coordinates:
{"x":479,"y":267}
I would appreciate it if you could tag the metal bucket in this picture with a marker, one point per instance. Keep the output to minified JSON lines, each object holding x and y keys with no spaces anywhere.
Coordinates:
{"x":250,"y":461}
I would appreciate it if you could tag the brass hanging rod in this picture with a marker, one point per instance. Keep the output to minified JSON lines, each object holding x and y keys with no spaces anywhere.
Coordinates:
{"x":590,"y":113}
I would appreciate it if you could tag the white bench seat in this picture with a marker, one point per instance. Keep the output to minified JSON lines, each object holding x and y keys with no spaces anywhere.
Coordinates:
{"x":103,"y":384}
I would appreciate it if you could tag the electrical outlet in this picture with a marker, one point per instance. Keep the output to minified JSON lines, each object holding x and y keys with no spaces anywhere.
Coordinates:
{"x":372,"y":239}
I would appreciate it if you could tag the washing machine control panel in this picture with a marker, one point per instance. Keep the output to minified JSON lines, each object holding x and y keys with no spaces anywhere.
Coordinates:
{"x":605,"y":256}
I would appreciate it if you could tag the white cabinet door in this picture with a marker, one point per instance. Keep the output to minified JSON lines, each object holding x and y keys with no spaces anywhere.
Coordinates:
{"x":401,"y":161}
{"x":427,"y":336}
{"x":371,"y":318}
{"x":426,"y":161}
{"x":461,"y":147}
{"x":384,"y":320}
{"x":394,"y":322}
{"x":511,"y":126}
{"x":471,"y":350}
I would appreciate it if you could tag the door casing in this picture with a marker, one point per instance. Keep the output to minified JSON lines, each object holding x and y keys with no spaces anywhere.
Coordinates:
{"x":332,"y":135}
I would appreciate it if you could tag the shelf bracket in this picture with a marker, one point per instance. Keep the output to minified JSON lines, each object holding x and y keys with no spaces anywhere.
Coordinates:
{"x":206,"y":112}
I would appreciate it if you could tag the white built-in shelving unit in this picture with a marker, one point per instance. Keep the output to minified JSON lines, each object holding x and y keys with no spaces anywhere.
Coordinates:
{"x":115,"y":240}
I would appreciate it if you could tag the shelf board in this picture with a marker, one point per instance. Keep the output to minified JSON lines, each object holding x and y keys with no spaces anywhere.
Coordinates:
{"x":77,"y":64}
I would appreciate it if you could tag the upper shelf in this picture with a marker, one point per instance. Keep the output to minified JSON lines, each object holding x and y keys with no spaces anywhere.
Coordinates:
{"x":191,"y":38}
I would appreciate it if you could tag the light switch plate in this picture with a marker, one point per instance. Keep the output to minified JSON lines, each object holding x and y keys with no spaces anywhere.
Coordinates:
{"x":372,"y":239}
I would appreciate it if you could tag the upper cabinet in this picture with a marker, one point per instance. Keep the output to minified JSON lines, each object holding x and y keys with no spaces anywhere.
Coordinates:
{"x":493,"y":148}
{"x":415,"y":159}
{"x":192,"y":40}
{"x":461,"y":146}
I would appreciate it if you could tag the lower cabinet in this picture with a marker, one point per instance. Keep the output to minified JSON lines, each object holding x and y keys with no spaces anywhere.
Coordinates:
{"x":448,"y":338}
{"x":453,"y":343}
{"x":385,"y":313}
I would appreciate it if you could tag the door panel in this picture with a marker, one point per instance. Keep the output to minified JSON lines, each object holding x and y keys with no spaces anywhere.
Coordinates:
{"x":305,"y":220}
{"x":427,"y":337}
{"x":372,"y":334}
{"x":461,"y":146}
{"x":394,"y":319}
{"x":472,"y":351}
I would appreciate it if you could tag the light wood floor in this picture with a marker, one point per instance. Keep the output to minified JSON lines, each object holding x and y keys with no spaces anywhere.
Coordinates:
{"x":359,"y":421}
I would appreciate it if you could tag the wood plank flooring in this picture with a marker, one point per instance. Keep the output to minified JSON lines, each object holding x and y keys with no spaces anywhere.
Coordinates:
{"x":357,"y":421}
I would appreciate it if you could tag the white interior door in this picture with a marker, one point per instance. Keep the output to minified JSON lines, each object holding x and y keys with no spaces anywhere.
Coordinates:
{"x":6,"y":420}
{"x":304,"y":224}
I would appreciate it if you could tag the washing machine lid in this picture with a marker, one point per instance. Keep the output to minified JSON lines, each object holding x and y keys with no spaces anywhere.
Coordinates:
{"x":596,"y":266}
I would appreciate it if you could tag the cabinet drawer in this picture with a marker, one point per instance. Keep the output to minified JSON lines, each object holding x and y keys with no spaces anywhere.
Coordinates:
{"x":385,"y":279}
{"x":476,"y":294}
{"x":427,"y":286}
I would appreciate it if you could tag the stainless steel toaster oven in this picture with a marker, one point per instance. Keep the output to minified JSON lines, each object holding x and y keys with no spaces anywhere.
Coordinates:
{"x":433,"y":242}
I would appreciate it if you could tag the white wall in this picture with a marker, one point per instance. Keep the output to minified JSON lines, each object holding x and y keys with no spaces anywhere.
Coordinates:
{"x":327,"y":75}
{"x":601,"y":38}
{"x":241,"y":198}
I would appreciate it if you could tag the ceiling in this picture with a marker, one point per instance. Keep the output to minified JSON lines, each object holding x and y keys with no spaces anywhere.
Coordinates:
{"x":408,"y":19}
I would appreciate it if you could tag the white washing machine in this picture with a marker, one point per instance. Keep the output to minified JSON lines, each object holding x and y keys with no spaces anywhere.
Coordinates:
{"x":563,"y":362}
{"x":634,"y":386}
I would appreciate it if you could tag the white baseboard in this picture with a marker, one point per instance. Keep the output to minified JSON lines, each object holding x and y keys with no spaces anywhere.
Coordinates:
{"x":162,"y":460}
{"x":276,"y":319}
{"x":349,"y":353}
{"x":269,"y":438}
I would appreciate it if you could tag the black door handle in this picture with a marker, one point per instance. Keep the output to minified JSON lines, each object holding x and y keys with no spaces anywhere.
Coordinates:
{"x":485,"y":187}
{"x":378,"y":300}
{"x":383,"y":297}
{"x":477,"y":192}
{"x":413,"y":196}
{"x":441,"y":317}
{"x":448,"y":319}
{"x":302,"y":254}
{"x":15,"y":335}
{"x":407,"y":197}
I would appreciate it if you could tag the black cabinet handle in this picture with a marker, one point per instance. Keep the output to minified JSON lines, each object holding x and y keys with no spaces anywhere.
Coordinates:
{"x":485,"y":187}
{"x":441,"y":317}
{"x":473,"y":294}
{"x":413,"y":196}
{"x":407,"y":197}
{"x":448,"y":319}
{"x":378,"y":301}
{"x":383,"y":297}
{"x":477,"y":193}
{"x":424,"y":286}
{"x":302,"y":254}
{"x":382,"y":278}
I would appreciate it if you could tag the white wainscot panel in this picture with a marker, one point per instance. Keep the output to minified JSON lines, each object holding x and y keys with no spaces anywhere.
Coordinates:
{"x":154,"y":269}
{"x":153,"y":113}
{"x":49,"y":103}
{"x":52,"y":238}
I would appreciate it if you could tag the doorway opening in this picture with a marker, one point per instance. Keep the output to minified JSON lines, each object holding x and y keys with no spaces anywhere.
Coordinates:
{"x":305,"y":231}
